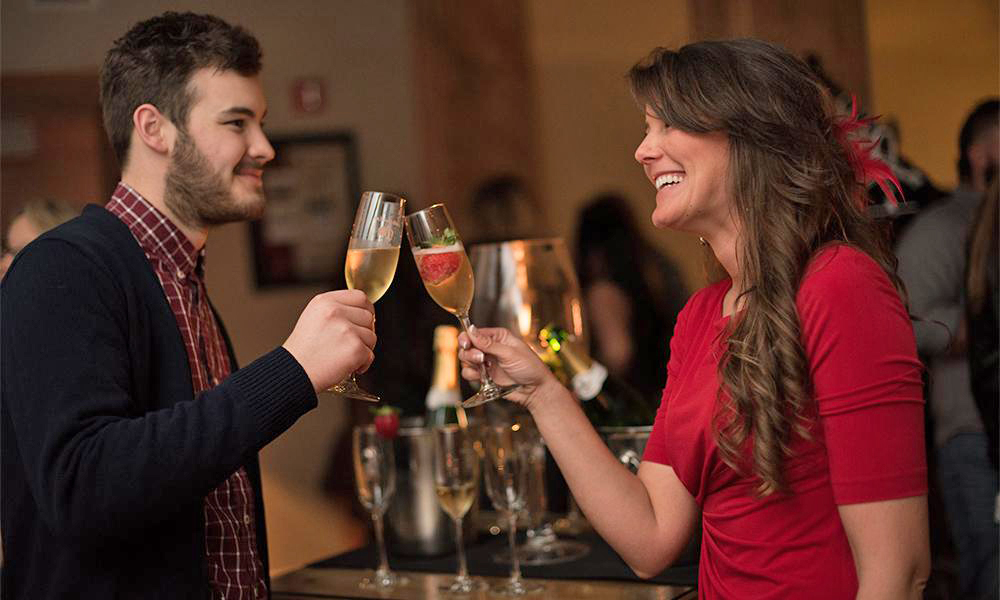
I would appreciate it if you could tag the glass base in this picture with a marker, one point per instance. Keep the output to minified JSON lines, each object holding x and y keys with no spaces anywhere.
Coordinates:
{"x":348,"y":388}
{"x":464,"y":585}
{"x":517,"y":588}
{"x":551,"y":553}
{"x":383,"y":580}
{"x":489,"y":394}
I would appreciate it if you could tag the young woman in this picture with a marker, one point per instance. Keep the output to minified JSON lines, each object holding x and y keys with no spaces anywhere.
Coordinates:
{"x":791,"y":425}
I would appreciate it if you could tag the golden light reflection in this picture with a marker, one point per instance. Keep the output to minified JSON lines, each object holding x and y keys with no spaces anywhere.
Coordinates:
{"x":524,"y":320}
{"x":577,"y":310}
{"x":521,"y":276}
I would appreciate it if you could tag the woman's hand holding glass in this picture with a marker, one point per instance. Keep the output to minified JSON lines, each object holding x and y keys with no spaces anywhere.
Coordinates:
{"x":512,"y":362}
{"x":447,"y":275}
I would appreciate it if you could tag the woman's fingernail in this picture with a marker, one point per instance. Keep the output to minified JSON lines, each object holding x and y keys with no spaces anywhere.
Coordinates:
{"x":472,"y":329}
{"x":478,"y":356}
{"x":464,"y":344}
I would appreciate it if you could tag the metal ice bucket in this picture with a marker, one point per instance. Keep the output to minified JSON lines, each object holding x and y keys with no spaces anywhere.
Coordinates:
{"x":415,"y":523}
{"x":524,"y":285}
{"x":627,"y":443}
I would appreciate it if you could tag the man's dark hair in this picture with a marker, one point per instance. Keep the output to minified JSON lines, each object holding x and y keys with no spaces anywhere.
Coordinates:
{"x":984,"y":116}
{"x":154,"y":62}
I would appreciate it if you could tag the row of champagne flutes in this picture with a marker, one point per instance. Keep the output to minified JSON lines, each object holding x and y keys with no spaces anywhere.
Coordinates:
{"x":373,"y":253}
{"x":505,"y":453}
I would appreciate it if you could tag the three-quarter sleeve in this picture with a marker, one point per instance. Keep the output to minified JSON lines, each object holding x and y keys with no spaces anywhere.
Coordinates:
{"x":866,"y":378}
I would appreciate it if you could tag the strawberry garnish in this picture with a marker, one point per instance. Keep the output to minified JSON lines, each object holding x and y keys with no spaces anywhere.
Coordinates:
{"x":435,"y":268}
{"x":387,"y":421}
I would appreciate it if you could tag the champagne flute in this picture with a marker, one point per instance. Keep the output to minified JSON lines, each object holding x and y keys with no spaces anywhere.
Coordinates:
{"x":375,"y":476}
{"x":372,"y":255}
{"x":542,"y":546}
{"x":447,"y":275}
{"x":456,"y":479}
{"x":506,"y":473}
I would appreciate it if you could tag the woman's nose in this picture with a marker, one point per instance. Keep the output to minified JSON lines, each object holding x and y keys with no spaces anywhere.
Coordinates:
{"x":646,"y":151}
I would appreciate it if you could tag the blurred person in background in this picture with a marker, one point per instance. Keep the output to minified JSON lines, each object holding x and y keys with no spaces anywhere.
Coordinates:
{"x":505,"y":209}
{"x":129,"y":435}
{"x":932,"y":263}
{"x":792,"y":419}
{"x":631,"y":294}
{"x":983,"y":315}
{"x":34,"y":219}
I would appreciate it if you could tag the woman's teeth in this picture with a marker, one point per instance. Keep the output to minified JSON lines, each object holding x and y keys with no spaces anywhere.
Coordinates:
{"x":665,"y":180}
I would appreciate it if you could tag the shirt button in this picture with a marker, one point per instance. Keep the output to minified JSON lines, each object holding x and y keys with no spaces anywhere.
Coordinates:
{"x":180,"y":274}
{"x":246,"y":519}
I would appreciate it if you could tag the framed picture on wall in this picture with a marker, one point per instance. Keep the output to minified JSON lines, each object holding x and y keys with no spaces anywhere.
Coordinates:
{"x":312,"y":194}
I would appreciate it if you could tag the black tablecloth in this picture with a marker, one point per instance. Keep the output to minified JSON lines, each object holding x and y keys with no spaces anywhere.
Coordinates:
{"x":600,"y":563}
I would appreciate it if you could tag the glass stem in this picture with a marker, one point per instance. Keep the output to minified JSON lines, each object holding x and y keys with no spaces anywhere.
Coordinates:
{"x":484,"y":374}
{"x":463,"y":569}
{"x":383,"y":560}
{"x":515,"y":562}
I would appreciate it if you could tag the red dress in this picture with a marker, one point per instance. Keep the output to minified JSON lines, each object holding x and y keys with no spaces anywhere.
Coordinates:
{"x":867,"y":442}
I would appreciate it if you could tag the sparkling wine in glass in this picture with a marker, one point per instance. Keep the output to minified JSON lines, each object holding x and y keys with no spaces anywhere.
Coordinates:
{"x":447,"y":275}
{"x":372,"y":255}
{"x":375,"y":477}
{"x":506,"y":474}
{"x":456,"y":480}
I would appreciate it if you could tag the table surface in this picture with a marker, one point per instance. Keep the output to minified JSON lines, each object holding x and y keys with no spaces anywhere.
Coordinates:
{"x":343,"y":584}
{"x":599,"y":574}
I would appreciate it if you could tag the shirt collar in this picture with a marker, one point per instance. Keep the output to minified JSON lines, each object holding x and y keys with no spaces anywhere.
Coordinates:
{"x":157,"y":235}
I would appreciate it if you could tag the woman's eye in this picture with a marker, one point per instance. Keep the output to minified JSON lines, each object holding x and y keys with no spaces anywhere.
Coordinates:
{"x":237,"y":123}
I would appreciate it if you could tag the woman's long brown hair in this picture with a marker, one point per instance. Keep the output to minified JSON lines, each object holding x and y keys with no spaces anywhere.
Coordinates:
{"x":794,"y":189}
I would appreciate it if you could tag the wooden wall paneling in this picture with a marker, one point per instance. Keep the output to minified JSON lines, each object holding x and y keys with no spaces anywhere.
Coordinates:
{"x":54,"y":143}
{"x":476,"y":105}
{"x":836,"y":31}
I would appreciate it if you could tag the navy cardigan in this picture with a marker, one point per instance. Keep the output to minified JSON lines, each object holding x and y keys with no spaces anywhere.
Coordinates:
{"x":107,"y":455}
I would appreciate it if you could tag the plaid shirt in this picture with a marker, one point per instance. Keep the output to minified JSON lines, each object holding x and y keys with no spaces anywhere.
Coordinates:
{"x":234,"y":568}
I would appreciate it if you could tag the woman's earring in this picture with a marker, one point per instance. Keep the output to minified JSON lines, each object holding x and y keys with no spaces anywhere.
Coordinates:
{"x":703,"y":241}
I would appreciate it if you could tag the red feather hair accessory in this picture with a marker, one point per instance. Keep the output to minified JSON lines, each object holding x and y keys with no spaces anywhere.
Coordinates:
{"x":867,"y":167}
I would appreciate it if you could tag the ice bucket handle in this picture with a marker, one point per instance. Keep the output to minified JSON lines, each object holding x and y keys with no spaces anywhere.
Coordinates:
{"x":631,"y":459}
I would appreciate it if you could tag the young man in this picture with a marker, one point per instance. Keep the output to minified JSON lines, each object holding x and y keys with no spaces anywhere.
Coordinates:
{"x":129,"y":438}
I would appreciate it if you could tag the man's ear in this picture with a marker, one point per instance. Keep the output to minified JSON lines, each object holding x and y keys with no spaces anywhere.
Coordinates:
{"x":153,"y":129}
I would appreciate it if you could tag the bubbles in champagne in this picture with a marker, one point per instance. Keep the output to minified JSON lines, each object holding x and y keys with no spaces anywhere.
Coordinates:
{"x":371,"y":270}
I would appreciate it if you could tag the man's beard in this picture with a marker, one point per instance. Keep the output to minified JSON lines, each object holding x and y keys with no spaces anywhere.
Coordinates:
{"x":200,"y":197}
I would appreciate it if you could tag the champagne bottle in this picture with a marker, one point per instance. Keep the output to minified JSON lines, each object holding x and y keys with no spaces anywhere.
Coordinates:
{"x":607,"y":400}
{"x":444,"y":400}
